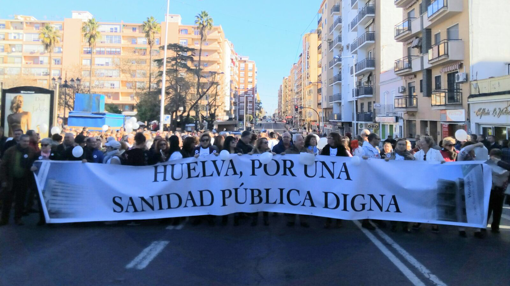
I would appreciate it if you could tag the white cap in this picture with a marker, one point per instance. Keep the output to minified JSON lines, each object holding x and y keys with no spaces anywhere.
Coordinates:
{"x":114,"y":144}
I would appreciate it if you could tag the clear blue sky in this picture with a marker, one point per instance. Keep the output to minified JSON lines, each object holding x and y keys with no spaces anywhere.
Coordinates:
{"x":268,"y":31}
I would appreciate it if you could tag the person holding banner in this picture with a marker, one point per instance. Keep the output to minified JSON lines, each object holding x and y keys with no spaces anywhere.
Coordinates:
{"x":449,"y":152}
{"x":67,"y":144}
{"x":499,"y":185}
{"x":188,"y":147}
{"x":16,"y":178}
{"x":297,"y":148}
{"x":261,"y":146}
{"x":205,"y":148}
{"x":427,"y":153}
{"x":244,"y":143}
{"x":284,"y":144}
{"x":334,"y":148}
{"x":311,"y":144}
{"x":137,"y":156}
{"x":371,"y":150}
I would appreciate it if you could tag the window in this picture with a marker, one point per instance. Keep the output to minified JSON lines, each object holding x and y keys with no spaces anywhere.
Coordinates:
{"x":453,"y":32}
{"x":250,"y":74}
{"x":142,"y":41}
{"x":37,"y":26}
{"x":157,"y":41}
{"x":85,"y":73}
{"x":250,"y":67}
{"x":2,"y":26}
{"x":184,"y":31}
{"x":86,"y":51}
{"x":140,"y":84}
{"x":362,"y":107}
{"x":85,"y":62}
{"x":15,"y":36}
{"x":250,"y":86}
{"x":57,"y":62}
{"x":437,"y":82}
{"x":206,"y":65}
{"x":183,"y":42}
{"x":141,"y":74}
{"x":437,"y":38}
{"x":111,"y":39}
{"x":12,"y":71}
{"x":1,"y":49}
{"x":242,"y":86}
{"x":196,"y":32}
{"x":2,"y":37}
{"x":369,"y":106}
{"x":206,"y":44}
{"x":133,"y":29}
{"x":206,"y":54}
{"x":32,"y":38}
{"x":242,"y":74}
{"x":197,"y":43}
{"x":57,"y":50}
{"x":133,"y":41}
{"x":55,"y":72}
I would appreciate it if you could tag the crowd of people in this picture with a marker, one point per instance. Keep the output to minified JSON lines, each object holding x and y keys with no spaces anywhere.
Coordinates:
{"x":143,"y":147}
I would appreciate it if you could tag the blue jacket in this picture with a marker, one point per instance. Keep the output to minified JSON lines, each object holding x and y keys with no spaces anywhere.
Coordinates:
{"x":280,"y":148}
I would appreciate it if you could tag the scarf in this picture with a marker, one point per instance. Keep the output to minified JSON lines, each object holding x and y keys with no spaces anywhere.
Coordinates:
{"x":45,"y":155}
{"x":406,"y":154}
{"x":451,"y":154}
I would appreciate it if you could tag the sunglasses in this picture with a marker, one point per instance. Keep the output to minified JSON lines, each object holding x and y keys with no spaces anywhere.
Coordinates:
{"x":44,"y":145}
{"x":449,"y":145}
{"x":204,"y":140}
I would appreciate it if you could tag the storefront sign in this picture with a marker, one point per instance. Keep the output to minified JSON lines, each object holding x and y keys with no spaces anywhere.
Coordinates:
{"x":458,"y":115}
{"x":386,"y":119}
{"x":451,"y":68}
{"x":491,"y":112}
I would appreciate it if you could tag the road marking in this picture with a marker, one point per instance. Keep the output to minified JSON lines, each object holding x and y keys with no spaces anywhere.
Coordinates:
{"x":420,"y":267}
{"x":399,"y":264}
{"x":179,"y":226}
{"x":507,"y":217}
{"x":147,"y":255}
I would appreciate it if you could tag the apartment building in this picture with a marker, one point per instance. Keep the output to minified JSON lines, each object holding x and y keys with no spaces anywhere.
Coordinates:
{"x":447,"y":44}
{"x":279,"y":110}
{"x":309,"y":82}
{"x":247,"y":88}
{"x":120,"y":65}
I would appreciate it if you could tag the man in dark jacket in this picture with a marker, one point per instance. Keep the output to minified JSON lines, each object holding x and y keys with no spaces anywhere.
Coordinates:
{"x":244,"y":143}
{"x":85,"y":157}
{"x":16,"y":178}
{"x":137,"y":156}
{"x":492,"y":143}
{"x":67,"y":144}
{"x":15,"y":139}
{"x":284,"y":144}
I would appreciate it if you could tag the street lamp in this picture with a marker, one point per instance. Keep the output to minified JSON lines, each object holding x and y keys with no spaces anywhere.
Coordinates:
{"x":75,"y":85}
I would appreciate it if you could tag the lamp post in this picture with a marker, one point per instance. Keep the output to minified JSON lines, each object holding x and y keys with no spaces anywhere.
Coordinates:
{"x":57,"y":84}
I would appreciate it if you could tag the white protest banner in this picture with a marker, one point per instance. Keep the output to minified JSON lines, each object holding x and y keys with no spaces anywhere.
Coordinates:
{"x":336,"y":187}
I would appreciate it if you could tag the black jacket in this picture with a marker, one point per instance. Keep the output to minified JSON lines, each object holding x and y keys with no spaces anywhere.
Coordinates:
{"x":495,"y":146}
{"x":280,"y":148}
{"x":136,"y":157}
{"x":244,"y":148}
{"x":87,"y":155}
{"x":8,"y":145}
{"x":339,"y":152}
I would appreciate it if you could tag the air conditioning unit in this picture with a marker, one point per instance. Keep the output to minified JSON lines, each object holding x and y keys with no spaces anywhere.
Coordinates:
{"x":461,"y":77}
{"x":401,"y":89}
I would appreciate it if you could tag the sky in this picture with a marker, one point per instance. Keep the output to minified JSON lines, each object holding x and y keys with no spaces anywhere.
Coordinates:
{"x":268,"y":31}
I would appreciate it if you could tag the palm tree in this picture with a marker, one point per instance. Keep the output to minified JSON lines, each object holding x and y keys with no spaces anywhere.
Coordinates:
{"x":204,"y":24}
{"x":91,"y":35}
{"x":50,"y":37}
{"x":151,"y":28}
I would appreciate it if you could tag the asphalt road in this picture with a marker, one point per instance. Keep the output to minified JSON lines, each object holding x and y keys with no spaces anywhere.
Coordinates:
{"x":155,"y":253}
{"x":277,"y":127}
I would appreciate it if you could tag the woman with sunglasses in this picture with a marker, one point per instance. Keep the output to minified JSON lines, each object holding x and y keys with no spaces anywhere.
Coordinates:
{"x":159,"y":153}
{"x":205,"y":147}
{"x":46,"y":153}
{"x":261,"y":146}
{"x":230,"y":145}
{"x":449,"y":152}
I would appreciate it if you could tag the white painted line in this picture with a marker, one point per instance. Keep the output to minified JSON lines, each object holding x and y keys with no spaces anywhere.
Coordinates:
{"x":181,"y":226}
{"x":399,"y":264}
{"x":420,"y":267}
{"x":170,"y":227}
{"x":507,"y":217}
{"x":147,"y":255}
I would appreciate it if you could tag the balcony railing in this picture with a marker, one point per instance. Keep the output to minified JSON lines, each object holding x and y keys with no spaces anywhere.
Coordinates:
{"x":436,"y":7}
{"x":335,"y":116}
{"x":365,"y":116}
{"x":336,"y":22}
{"x":364,"y":91}
{"x":334,"y":61}
{"x":330,"y":99}
{"x":335,"y":9}
{"x":403,"y":27}
{"x":338,"y":40}
{"x":367,"y":10}
{"x":403,"y":64}
{"x":365,"y":64}
{"x":337,"y":97}
{"x":359,"y":41}
{"x":447,"y":97}
{"x":335,"y":79}
{"x":353,"y":2}
{"x":320,"y":20}
{"x":405,"y":102}
{"x":439,"y":50}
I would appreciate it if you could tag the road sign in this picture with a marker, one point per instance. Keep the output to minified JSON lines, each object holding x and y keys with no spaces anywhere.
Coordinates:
{"x":166,"y":119}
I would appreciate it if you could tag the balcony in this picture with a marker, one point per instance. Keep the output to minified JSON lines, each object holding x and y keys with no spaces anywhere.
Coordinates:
{"x":319,"y":48}
{"x":403,"y":3}
{"x":337,"y":97}
{"x":364,"y":92}
{"x":446,"y":51}
{"x":446,"y":99}
{"x":404,"y":66}
{"x":364,"y":66}
{"x":336,"y":43}
{"x":354,"y":4}
{"x":320,"y":20}
{"x":365,"y":15}
{"x":403,"y":30}
{"x":335,"y":62}
{"x":406,"y":103}
{"x":365,"y":116}
{"x":335,"y":9}
{"x":366,"y":39}
{"x":336,"y":26}
{"x":337,"y":79}
{"x":319,"y":34}
{"x":440,"y":10}
{"x":335,"y":117}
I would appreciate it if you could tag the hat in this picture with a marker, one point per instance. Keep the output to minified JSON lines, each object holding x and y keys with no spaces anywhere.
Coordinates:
{"x":110,"y":139}
{"x":79,"y":139}
{"x":114,"y":144}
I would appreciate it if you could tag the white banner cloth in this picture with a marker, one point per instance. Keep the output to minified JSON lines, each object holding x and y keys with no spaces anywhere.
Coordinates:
{"x":336,"y":187}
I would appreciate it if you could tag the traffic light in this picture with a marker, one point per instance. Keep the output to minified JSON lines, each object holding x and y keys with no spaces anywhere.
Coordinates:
{"x":296,"y":108}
